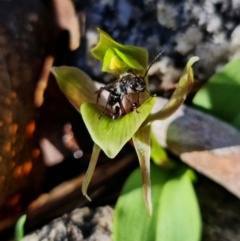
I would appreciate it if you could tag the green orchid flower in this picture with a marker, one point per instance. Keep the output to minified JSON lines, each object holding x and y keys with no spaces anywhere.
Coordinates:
{"x":135,"y":126}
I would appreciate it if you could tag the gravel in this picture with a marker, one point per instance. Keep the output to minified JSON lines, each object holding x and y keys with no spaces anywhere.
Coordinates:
{"x":82,"y":224}
{"x":207,"y":28}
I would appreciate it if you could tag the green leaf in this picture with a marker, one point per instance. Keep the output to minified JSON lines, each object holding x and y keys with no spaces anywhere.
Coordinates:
{"x":131,"y":221}
{"x":179,"y":95}
{"x":220,"y":95}
{"x":19,"y":228}
{"x":133,"y":57}
{"x":75,"y":84}
{"x":111,"y":135}
{"x":176,"y":215}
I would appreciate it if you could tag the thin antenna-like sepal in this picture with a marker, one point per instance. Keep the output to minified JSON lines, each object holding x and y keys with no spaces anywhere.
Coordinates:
{"x":90,"y":170}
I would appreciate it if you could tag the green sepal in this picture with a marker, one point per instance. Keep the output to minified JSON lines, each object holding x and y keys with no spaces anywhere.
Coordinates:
{"x":75,"y":84}
{"x":141,"y":141}
{"x":91,"y":167}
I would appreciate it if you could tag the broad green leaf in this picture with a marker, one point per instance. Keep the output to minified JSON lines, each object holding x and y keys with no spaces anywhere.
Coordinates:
{"x":176,"y":215}
{"x":179,"y":95}
{"x":75,"y":84}
{"x":220,"y":95}
{"x":92,"y":164}
{"x":19,"y":228}
{"x":131,"y":221}
{"x":141,"y":141}
{"x":128,"y":54}
{"x":111,"y":135}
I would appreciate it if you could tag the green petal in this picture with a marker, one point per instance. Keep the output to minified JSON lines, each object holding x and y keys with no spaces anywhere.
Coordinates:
{"x":113,"y":64}
{"x":179,"y":95}
{"x":131,"y":61}
{"x":131,"y":55}
{"x":75,"y":84}
{"x":141,"y":141}
{"x":112,"y":135}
